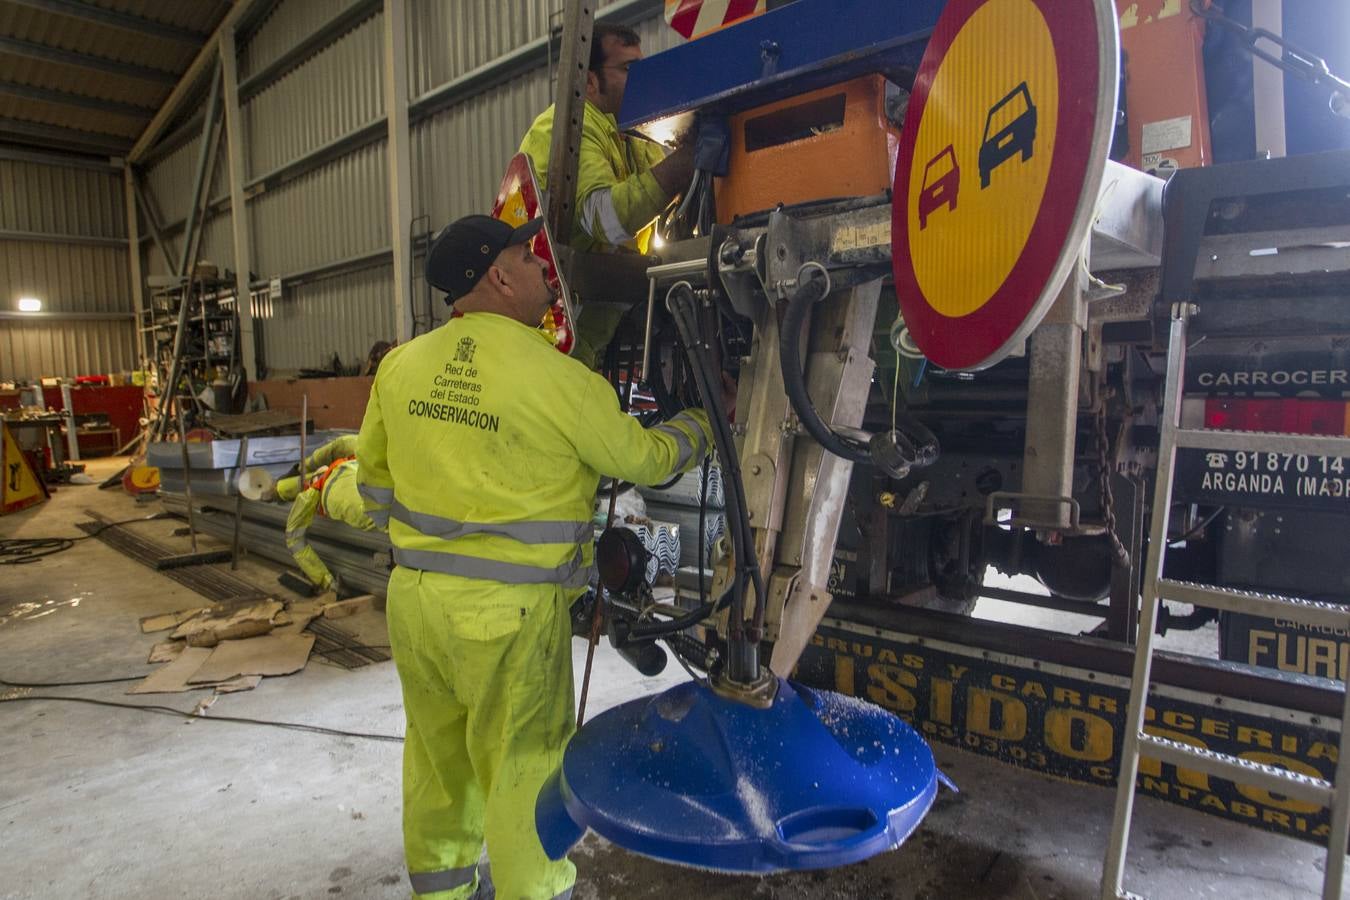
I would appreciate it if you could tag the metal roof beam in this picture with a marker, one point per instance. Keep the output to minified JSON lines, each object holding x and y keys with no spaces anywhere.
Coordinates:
{"x":15,"y":154}
{"x":191,"y":128}
{"x":88,"y":12}
{"x":82,"y":101}
{"x":45,"y":237}
{"x":15,"y":47}
{"x":205,"y":57}
{"x":66,"y":138}
{"x":54,"y":316}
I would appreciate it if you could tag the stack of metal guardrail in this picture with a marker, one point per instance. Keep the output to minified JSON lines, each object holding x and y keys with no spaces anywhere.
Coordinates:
{"x":662,"y":540}
{"x":212,"y":464}
{"x":360,"y":558}
{"x":678,"y":505}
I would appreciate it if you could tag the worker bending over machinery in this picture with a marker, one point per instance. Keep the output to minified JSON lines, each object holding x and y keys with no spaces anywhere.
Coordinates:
{"x":330,"y":492}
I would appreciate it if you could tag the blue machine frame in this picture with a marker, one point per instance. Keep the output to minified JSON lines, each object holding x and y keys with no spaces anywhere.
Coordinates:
{"x":786,"y":52}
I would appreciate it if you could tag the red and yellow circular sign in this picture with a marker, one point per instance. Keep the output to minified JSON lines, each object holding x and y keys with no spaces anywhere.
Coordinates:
{"x":1005,"y":142}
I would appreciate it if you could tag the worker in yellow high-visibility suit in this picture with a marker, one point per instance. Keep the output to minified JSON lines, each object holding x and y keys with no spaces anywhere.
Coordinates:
{"x":482,"y":448}
{"x":623,"y":182}
{"x":332,"y":493}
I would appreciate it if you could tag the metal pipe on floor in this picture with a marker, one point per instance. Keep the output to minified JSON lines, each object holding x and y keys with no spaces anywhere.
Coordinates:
{"x":238,"y":502}
{"x":187,"y":471}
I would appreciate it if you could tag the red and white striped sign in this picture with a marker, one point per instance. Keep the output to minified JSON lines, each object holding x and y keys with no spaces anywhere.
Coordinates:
{"x":693,"y":18}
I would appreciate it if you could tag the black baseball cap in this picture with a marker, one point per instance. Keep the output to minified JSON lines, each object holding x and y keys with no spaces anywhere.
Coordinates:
{"x":466,"y":247}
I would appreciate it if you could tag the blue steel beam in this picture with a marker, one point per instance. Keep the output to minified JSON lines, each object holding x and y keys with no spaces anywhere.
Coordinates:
{"x":791,"y":50}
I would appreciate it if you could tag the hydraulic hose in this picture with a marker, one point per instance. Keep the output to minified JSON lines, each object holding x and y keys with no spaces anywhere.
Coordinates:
{"x":680,"y":300}
{"x":676,"y":298}
{"x":917,"y":443}
{"x":809,"y":291}
{"x":652,"y":630}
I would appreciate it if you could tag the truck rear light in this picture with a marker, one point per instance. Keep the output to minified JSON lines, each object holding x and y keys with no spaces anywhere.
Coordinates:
{"x":1283,"y":415}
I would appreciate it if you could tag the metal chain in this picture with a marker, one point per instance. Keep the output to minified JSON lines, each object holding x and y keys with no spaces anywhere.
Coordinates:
{"x":1108,"y":500}
{"x":1292,"y":59}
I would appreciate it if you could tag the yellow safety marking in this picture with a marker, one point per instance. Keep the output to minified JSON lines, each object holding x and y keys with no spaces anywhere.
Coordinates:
{"x":983,"y":155}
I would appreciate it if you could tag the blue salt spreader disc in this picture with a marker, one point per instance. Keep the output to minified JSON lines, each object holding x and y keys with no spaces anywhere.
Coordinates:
{"x":690,"y":777}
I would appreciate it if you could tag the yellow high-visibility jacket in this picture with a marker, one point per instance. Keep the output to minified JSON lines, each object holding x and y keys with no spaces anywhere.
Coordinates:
{"x":482,"y":448}
{"x":617,"y":195}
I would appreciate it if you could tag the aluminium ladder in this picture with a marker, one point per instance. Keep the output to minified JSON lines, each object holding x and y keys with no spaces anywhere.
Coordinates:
{"x":1336,"y":794}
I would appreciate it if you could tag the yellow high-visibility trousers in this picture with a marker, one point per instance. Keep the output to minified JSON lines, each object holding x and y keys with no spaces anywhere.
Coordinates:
{"x":486,"y":670}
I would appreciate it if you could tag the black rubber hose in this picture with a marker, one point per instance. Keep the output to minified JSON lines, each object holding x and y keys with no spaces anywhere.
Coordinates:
{"x":684,"y":323}
{"x":652,"y":630}
{"x":728,"y":449}
{"x":709,"y":388}
{"x":794,"y":381}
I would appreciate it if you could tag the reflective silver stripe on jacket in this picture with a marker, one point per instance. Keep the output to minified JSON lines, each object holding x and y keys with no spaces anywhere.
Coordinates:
{"x":337,"y":475}
{"x":701,"y":447}
{"x":524,"y":532}
{"x":598,"y":207}
{"x":570,"y":574}
{"x":382,"y":496}
{"x":379,"y":516}
{"x":686,"y":448}
{"x":486,"y":890}
{"x":444,"y":880}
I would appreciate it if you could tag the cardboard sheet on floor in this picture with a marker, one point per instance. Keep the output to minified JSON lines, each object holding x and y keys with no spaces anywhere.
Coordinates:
{"x":172,"y":677}
{"x":242,"y":683}
{"x":166,"y":651}
{"x":245,"y":622}
{"x":165,"y":621}
{"x":312,"y":606}
{"x":297,"y":623}
{"x":272,"y":654}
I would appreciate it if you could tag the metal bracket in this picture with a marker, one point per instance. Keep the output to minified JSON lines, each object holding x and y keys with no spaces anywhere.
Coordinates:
{"x":1008,"y":499}
{"x":570,"y":102}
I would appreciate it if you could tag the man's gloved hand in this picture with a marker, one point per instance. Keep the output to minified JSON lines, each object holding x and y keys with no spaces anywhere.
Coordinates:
{"x":712,"y":145}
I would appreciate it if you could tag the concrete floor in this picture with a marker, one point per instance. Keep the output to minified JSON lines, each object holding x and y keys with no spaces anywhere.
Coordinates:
{"x":100,"y":802}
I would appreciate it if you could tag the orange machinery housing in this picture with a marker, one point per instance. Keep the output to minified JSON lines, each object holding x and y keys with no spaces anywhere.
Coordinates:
{"x":833,"y":142}
{"x":1168,"y":112}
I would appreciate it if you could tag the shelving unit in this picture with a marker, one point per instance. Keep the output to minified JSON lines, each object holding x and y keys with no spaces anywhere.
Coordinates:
{"x":190,"y":340}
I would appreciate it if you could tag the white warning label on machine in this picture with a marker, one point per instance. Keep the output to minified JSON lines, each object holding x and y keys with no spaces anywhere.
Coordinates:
{"x":1169,"y":134}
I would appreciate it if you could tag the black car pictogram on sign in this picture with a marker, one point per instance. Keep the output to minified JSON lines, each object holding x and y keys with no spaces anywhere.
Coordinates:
{"x":1018,"y":135}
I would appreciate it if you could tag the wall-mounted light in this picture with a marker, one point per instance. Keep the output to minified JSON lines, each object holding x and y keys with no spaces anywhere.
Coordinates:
{"x":30,"y":304}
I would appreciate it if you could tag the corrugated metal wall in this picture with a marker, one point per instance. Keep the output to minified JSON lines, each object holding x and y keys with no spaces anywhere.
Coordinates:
{"x":168,"y":185}
{"x":82,"y":270}
{"x":449,"y":39}
{"x":337,"y":211}
{"x":33,"y":349}
{"x":330,"y":214}
{"x":68,"y":278}
{"x":335,"y":92}
{"x":61,"y":200}
{"x":460,"y":154}
{"x":286,"y":26}
{"x":344,"y":314}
